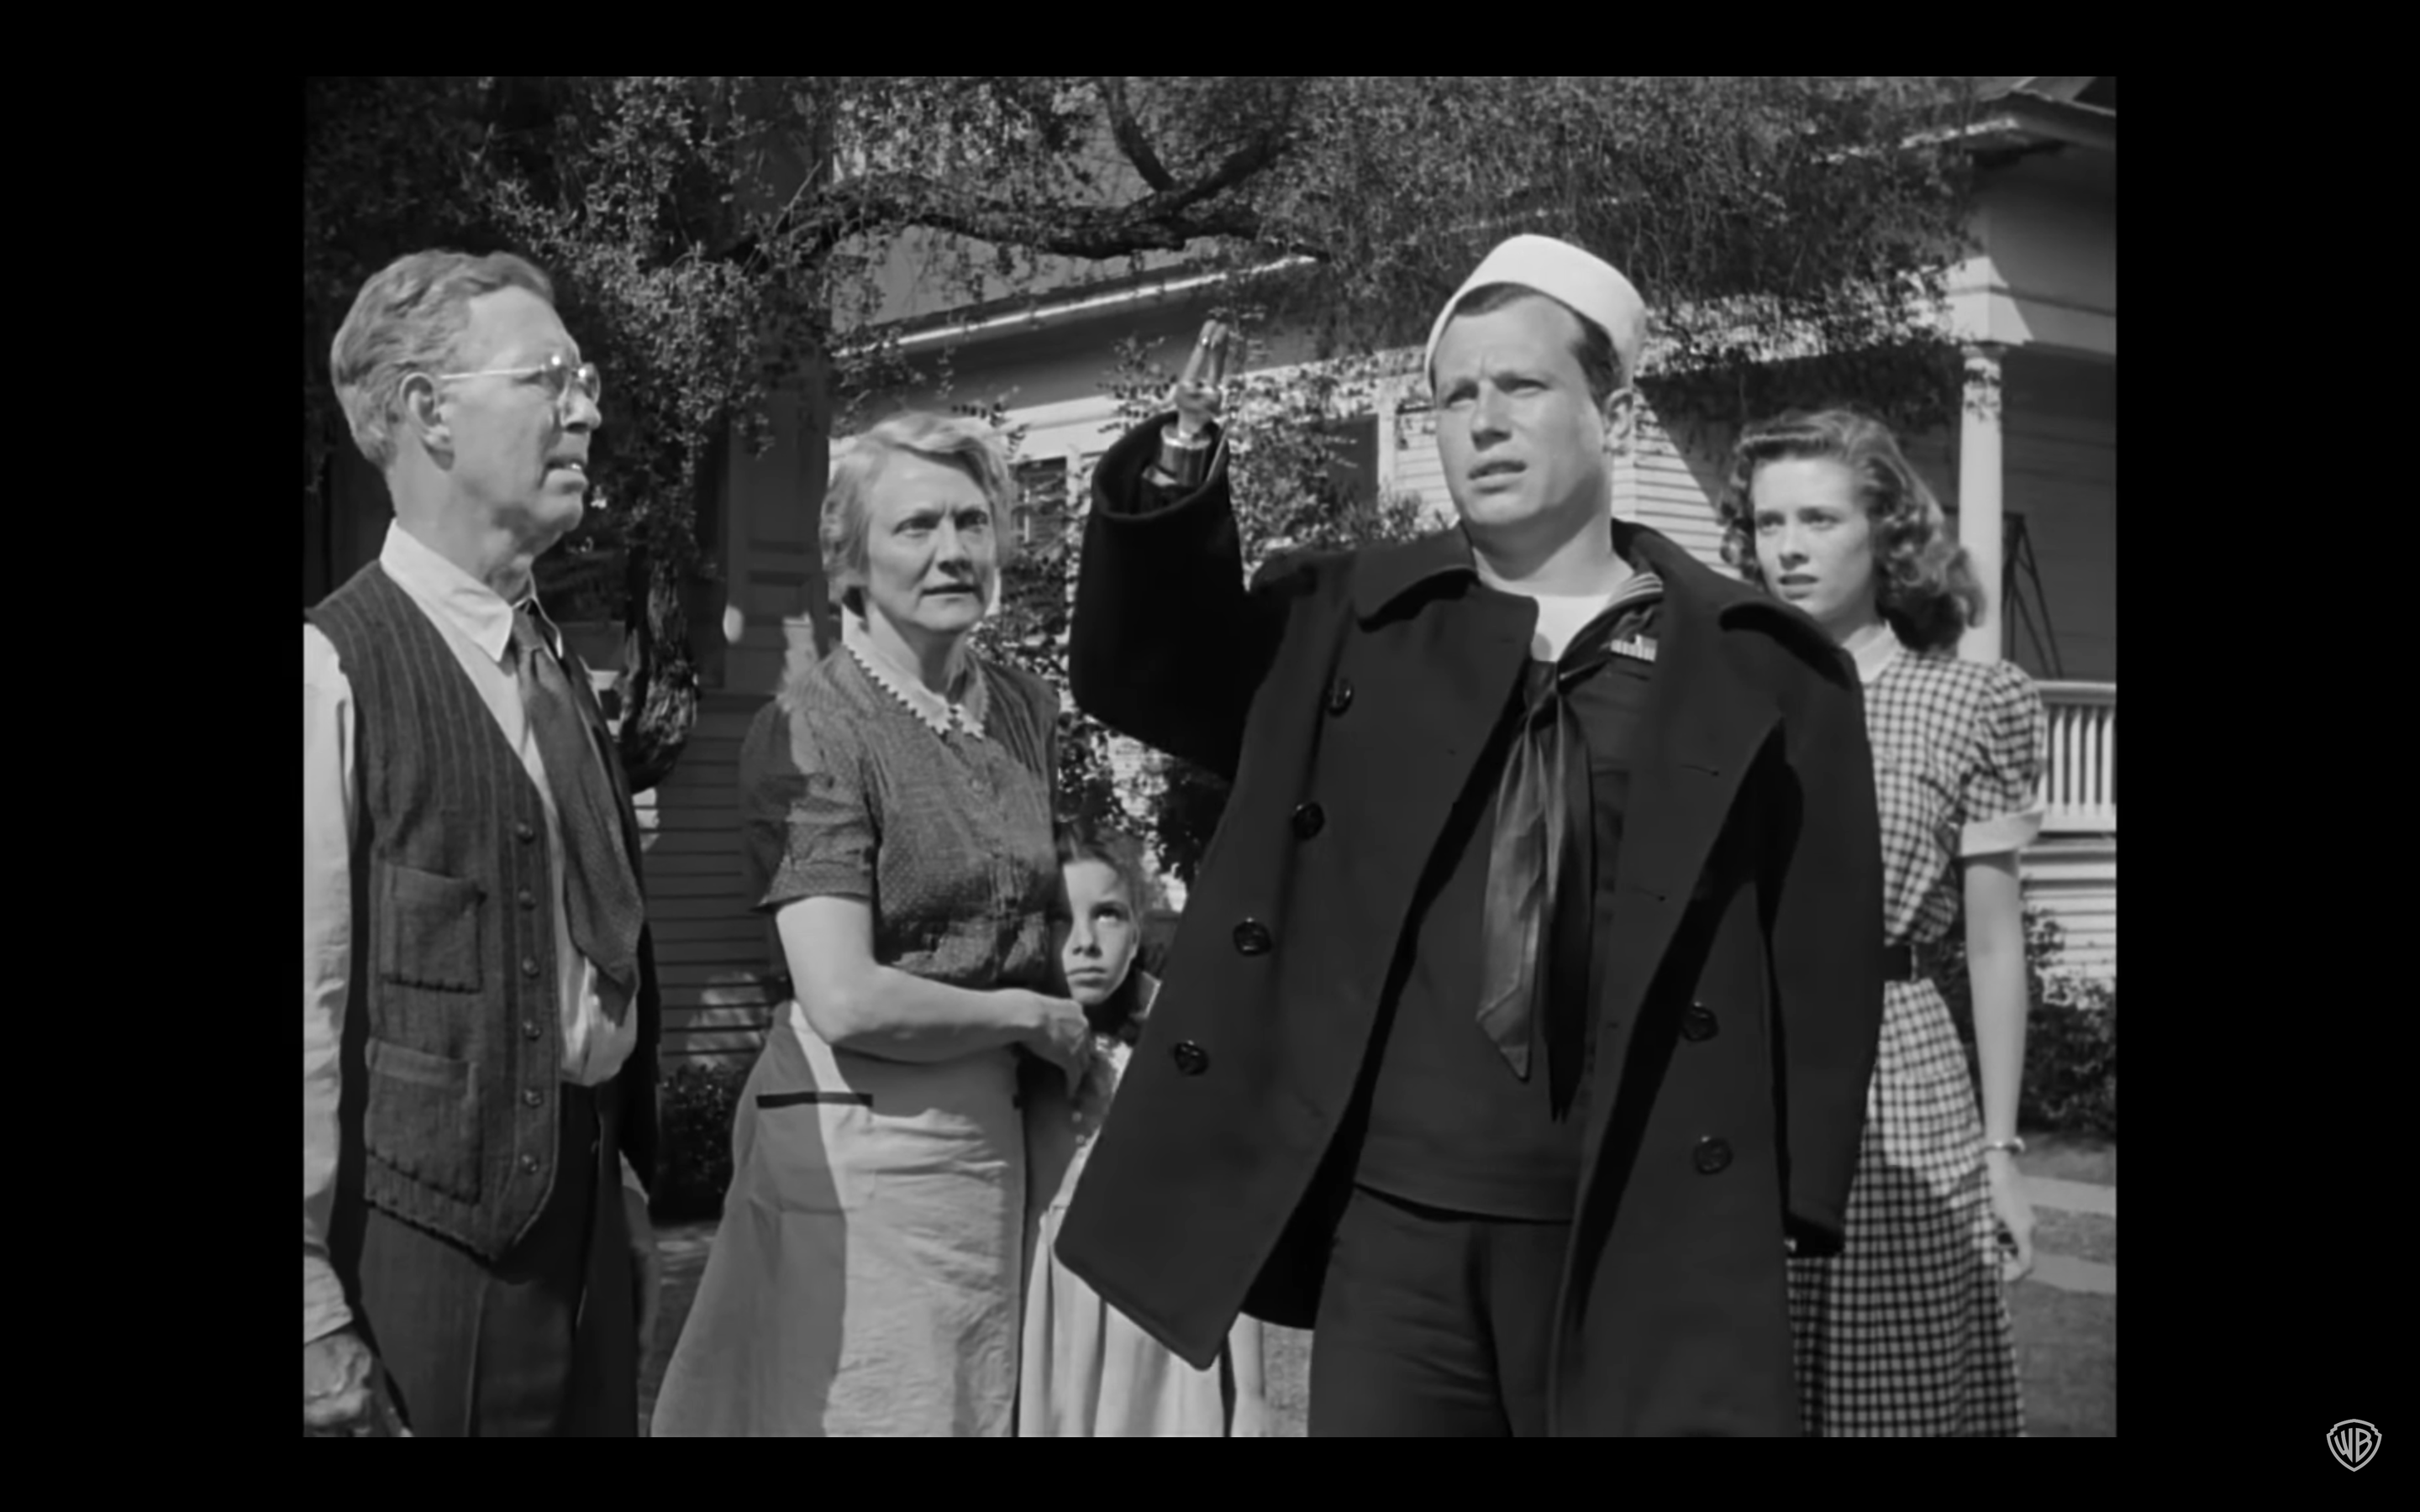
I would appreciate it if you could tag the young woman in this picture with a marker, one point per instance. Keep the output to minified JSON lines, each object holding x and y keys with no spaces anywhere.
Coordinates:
{"x":1906,"y":1332}
{"x":867,"y":1278}
{"x":1088,"y":1371}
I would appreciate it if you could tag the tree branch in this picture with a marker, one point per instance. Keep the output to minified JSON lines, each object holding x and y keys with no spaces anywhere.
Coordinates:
{"x":1154,"y":224}
{"x":1240,"y":165}
{"x":1166,"y":221}
{"x":1169,"y":219}
{"x":1128,"y":133}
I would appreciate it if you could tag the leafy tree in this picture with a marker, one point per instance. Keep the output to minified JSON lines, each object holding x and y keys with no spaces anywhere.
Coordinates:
{"x":725,"y":244}
{"x":620,"y":188}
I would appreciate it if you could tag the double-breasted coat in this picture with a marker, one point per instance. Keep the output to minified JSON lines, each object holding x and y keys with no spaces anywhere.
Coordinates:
{"x":1348,"y":697}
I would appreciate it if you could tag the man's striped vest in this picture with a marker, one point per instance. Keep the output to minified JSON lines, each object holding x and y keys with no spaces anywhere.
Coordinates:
{"x":453,"y":1040}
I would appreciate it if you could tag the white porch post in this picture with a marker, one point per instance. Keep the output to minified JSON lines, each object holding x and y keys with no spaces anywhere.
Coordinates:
{"x":1386,"y":399}
{"x":1978,"y":493}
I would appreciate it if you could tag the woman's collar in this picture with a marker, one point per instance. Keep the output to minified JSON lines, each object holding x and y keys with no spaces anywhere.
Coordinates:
{"x":1875,"y":655}
{"x":938,"y":713}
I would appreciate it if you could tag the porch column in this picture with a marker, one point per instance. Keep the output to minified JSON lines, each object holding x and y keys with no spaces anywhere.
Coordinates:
{"x":1978,"y":493}
{"x":1386,"y":399}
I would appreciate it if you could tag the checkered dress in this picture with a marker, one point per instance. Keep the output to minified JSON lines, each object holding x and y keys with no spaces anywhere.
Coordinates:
{"x":1905,"y":1333}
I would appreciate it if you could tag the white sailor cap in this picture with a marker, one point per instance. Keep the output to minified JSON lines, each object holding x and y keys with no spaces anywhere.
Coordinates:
{"x":1588,"y":283}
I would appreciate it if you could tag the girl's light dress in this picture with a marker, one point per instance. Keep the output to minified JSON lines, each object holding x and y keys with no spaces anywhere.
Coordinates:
{"x":1087,"y":1371}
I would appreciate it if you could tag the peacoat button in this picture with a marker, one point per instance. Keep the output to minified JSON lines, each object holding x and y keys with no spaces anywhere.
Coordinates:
{"x":1339,"y":697}
{"x":528,"y":899}
{"x":529,"y":1029}
{"x":525,"y":831}
{"x":1251,"y":938}
{"x":530,"y":1098}
{"x":529,"y":1165}
{"x":1191,"y":1059}
{"x":1712,"y":1156}
{"x":1698,"y":1024}
{"x":529,"y":965}
{"x":1309,"y":820}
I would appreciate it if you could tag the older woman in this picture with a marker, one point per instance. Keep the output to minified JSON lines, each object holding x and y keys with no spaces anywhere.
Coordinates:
{"x":896,"y":798}
{"x":1905,"y":1332}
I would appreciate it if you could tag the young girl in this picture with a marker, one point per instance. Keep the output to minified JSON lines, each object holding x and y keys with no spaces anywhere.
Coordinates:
{"x":1088,"y":1372}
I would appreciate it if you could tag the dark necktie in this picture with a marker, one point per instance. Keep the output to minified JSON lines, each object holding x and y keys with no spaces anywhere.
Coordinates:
{"x":1534,"y":952}
{"x":601,"y":890}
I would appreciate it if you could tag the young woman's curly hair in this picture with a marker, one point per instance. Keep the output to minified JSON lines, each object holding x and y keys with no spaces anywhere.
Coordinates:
{"x":1926,"y":583}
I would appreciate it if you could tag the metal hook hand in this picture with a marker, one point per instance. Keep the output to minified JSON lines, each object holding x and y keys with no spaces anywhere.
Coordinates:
{"x":1200,"y":392}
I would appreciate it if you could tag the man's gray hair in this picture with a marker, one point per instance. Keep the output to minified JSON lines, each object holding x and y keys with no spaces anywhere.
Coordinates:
{"x":973,"y":447}
{"x":408,"y":318}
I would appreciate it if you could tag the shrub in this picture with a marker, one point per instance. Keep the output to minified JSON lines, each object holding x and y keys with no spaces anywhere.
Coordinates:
{"x":2070,"y":1076}
{"x":695,"y":1103}
{"x":2071,"y":1062}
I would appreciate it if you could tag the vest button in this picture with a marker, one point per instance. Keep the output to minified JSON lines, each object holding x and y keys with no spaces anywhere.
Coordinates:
{"x":1252,"y":938}
{"x":529,"y":1165}
{"x":1339,"y":697}
{"x":530,"y":1098}
{"x":1712,"y":1156}
{"x":1309,"y":820}
{"x":529,"y":965}
{"x":526,"y":831}
{"x":529,"y":1029}
{"x":1698,"y":1024}
{"x":528,"y":899}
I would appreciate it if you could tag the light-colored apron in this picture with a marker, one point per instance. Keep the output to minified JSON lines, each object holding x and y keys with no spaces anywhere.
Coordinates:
{"x":865,"y":1280}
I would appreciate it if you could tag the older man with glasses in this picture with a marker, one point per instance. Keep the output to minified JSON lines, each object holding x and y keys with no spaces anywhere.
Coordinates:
{"x":479,"y":1006}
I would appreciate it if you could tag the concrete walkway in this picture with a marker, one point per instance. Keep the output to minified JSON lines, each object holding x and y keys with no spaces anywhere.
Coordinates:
{"x":2065,"y":1272}
{"x":2073,"y":1197}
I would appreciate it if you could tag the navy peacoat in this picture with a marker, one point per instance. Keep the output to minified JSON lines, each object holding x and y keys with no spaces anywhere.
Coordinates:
{"x":1347,"y":697}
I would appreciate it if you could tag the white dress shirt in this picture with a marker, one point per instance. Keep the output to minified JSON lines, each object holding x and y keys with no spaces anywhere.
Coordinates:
{"x":478,"y":625}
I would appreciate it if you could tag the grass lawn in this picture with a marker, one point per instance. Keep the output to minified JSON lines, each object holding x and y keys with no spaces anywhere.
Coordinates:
{"x":2067,"y":1356}
{"x":680,"y":1289}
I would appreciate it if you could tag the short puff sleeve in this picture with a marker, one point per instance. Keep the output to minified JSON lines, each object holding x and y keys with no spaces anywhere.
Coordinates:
{"x":2000,"y":800}
{"x":807,"y":806}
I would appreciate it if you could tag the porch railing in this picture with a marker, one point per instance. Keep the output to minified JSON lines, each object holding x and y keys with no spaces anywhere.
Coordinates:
{"x":2080,"y":781}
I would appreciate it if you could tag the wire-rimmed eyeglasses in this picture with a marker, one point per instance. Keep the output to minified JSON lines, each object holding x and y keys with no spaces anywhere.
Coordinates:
{"x":558,"y":372}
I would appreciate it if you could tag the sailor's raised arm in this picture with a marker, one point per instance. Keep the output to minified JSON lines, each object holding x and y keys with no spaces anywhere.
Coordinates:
{"x":1167,"y":645}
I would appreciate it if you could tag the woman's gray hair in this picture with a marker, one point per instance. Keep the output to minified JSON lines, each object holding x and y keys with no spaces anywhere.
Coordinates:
{"x":973,"y":447}
{"x":408,"y":318}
